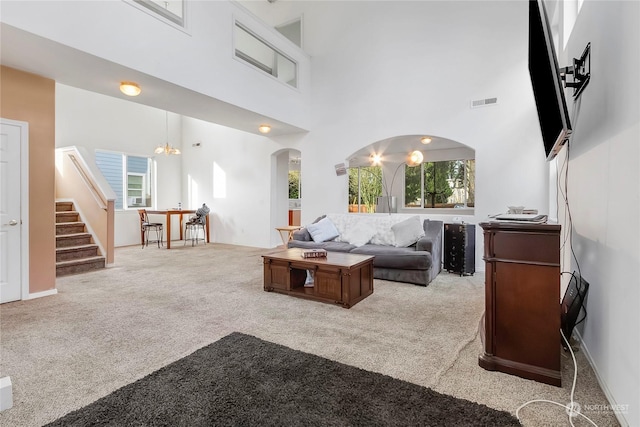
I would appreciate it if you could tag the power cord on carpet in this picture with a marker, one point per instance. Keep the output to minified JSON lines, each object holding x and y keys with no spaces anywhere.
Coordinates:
{"x":572,"y":408}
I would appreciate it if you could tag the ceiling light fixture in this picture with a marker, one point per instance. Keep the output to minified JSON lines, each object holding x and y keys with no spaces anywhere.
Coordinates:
{"x":130,"y":88}
{"x":376,"y":159}
{"x":166,"y":148}
{"x":425,"y":140}
{"x":264,"y":128}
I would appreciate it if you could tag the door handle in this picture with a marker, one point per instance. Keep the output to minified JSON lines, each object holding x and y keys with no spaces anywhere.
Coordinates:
{"x":13,"y":222}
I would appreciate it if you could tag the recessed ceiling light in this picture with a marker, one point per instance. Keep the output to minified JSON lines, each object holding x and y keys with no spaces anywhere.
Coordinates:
{"x":425,"y":139}
{"x":130,"y":88}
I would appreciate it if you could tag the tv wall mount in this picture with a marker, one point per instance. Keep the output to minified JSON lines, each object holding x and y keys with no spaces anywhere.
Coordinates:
{"x":580,"y":70}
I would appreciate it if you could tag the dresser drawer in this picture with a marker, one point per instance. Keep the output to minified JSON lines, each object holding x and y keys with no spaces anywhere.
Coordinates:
{"x":529,"y":247}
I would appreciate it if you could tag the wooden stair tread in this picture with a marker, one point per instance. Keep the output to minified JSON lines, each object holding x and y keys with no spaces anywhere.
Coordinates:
{"x":72,"y":235}
{"x":64,"y":206}
{"x":77,"y":247}
{"x":87,"y":260}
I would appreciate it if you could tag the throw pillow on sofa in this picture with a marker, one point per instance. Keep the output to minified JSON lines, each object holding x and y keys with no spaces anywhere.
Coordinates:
{"x":407,"y":232}
{"x":322,"y":230}
{"x":358,"y":235}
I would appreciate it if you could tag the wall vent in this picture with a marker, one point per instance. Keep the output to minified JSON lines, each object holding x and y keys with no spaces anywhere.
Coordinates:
{"x":484,"y":102}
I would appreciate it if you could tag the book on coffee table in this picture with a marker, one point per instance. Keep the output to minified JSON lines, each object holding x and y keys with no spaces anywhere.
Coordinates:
{"x":314,"y":253}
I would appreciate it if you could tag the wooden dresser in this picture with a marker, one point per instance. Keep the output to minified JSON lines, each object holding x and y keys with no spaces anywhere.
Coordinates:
{"x":522,"y":300}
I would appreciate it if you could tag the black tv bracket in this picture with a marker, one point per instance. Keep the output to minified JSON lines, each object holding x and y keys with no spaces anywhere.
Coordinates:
{"x":580,"y":70}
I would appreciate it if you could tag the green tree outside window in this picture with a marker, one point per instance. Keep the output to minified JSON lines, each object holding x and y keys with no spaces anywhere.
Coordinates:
{"x":445,"y":184}
{"x":294,"y":184}
{"x":365,"y":186}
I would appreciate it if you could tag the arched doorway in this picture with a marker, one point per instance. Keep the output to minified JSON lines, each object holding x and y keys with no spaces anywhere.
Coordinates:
{"x":286,"y":195}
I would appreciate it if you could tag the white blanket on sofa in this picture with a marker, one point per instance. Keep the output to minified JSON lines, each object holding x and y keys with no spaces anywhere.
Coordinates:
{"x":356,"y":228}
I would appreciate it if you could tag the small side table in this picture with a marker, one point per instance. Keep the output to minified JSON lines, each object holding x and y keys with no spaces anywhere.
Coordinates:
{"x":460,"y":248}
{"x":289,"y":229}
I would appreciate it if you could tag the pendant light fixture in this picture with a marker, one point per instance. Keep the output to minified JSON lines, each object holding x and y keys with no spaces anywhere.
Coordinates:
{"x":166,"y":148}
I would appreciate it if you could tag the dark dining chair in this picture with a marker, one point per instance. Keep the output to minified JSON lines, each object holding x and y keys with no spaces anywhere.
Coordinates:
{"x":146,"y":227}
{"x":195,"y":224}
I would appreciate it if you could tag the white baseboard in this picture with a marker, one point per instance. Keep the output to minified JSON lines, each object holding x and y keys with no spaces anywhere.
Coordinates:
{"x":43,"y":294}
{"x":612,"y":402}
{"x":6,"y":393}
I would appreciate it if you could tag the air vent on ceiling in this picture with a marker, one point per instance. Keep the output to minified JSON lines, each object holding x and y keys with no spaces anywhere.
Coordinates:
{"x":484,"y":102}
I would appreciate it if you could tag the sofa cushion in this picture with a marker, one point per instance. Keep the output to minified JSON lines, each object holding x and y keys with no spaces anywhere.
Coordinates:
{"x":323,"y":230}
{"x":393,"y":257}
{"x":407,"y":232}
{"x":329,"y":246}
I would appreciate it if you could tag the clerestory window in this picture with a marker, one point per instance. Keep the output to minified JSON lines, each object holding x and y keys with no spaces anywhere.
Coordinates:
{"x":253,"y":50}
{"x":171,"y":10}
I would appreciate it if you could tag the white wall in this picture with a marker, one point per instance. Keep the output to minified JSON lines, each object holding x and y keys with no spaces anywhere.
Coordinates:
{"x":232,"y":173}
{"x":414,"y":68}
{"x":604,"y":194}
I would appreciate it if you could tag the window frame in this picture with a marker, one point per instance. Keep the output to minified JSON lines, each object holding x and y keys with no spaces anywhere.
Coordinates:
{"x":272,"y":72}
{"x":297,"y":172}
{"x":164,"y":14}
{"x":424,"y":194}
{"x":371,"y":208}
{"x":149,"y":182}
{"x":141,"y":190}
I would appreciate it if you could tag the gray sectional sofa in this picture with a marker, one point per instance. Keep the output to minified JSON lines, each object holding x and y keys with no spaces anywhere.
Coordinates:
{"x":418,"y":263}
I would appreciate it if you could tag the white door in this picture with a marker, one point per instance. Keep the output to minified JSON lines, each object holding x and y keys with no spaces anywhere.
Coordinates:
{"x":11,"y":142}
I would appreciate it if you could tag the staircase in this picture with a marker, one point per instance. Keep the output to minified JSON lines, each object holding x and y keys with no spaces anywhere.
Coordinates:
{"x":75,"y":250}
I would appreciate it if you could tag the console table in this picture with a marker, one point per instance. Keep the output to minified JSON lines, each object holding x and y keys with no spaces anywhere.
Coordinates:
{"x":521,"y":334}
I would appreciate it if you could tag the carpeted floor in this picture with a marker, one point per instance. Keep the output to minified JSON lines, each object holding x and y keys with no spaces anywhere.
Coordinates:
{"x":110,"y":328}
{"x":241,"y":380}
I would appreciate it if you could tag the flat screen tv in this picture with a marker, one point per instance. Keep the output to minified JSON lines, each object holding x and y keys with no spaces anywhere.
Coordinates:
{"x":547,"y":84}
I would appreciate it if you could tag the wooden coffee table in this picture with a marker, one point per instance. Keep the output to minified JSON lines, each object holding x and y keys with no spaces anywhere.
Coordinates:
{"x":340,"y":278}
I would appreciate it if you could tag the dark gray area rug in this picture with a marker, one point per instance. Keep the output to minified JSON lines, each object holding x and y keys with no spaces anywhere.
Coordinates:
{"x":241,"y":380}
